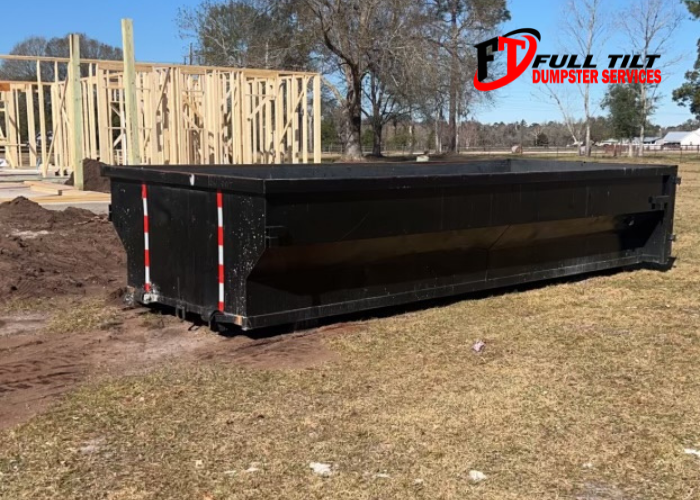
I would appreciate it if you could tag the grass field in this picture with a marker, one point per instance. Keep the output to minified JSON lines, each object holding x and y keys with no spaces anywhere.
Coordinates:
{"x":585,"y":390}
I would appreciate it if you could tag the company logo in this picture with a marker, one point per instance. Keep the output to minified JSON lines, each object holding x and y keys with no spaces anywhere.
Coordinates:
{"x":511,"y":45}
{"x":565,"y":68}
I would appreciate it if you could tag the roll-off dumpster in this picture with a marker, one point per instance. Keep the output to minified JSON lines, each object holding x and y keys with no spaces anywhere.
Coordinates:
{"x":262,"y":245}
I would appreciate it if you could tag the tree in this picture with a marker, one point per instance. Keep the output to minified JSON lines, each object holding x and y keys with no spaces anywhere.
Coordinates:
{"x":53,"y":47}
{"x":384,"y":93}
{"x":600,"y":129}
{"x":649,"y":27}
{"x":245,"y":33}
{"x":563,"y":99}
{"x":380,"y":58}
{"x":585,"y":26}
{"x":458,"y":24}
{"x":688,"y":94}
{"x":384,"y":107}
{"x":626,"y":112}
{"x":351,"y":35}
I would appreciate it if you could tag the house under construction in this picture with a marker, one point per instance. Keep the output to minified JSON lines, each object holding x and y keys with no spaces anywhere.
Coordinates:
{"x":122,"y":112}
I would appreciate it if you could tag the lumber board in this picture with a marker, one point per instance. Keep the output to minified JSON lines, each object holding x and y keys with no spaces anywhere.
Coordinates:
{"x":76,"y":111}
{"x":51,"y":184}
{"x":49,"y":187}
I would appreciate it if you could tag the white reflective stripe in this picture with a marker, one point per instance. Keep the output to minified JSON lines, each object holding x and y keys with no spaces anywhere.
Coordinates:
{"x":220,"y":213}
{"x":146,"y":244}
{"x":145,"y":207}
{"x":148,"y":274}
{"x":221,"y":292}
{"x":221,"y":254}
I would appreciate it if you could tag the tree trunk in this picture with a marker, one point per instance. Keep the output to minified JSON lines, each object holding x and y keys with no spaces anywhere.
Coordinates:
{"x":351,"y":114}
{"x":454,"y":82}
{"x":630,"y":149}
{"x":588,"y":138}
{"x":644,"y":119}
{"x":452,"y":118}
{"x":412,"y":132}
{"x":377,"y":128}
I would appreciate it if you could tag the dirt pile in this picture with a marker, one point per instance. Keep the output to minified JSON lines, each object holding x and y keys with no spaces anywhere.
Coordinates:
{"x":92,"y":178}
{"x":46,"y":253}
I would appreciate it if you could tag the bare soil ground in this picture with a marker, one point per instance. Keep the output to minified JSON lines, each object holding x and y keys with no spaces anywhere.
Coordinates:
{"x":587,"y":390}
{"x":42,"y":355}
{"x":56,"y":254}
{"x":62,"y":322}
{"x":92,"y":177}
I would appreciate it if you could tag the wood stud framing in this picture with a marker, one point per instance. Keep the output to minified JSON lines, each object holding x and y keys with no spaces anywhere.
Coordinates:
{"x":184,"y":115}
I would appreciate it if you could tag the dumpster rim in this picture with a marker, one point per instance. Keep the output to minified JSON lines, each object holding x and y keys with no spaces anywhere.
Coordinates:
{"x":169,"y":174}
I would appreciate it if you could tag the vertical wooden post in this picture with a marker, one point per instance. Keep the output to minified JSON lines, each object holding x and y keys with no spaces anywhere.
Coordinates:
{"x":269,"y":136}
{"x":13,"y":152}
{"x":31,"y":126}
{"x":18,"y":122}
{"x":75,"y":111}
{"x":279,"y":119}
{"x":104,"y":113}
{"x":42,"y":121}
{"x":305,"y":119}
{"x":132,"y":116}
{"x":317,"y":119}
{"x":92,"y":129}
{"x":246,"y":124}
{"x":294,"y":118}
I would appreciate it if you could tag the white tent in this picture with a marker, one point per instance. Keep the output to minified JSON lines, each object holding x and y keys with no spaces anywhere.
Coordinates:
{"x":691,"y":139}
{"x":674,"y":138}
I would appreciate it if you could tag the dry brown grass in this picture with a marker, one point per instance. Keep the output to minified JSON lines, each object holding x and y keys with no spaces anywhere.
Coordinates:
{"x":586,"y":390}
{"x":83,"y":316}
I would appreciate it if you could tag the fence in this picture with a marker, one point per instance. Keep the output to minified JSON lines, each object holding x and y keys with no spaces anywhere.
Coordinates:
{"x":684,"y":152}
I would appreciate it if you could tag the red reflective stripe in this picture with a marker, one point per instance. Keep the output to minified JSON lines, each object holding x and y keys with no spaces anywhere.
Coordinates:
{"x":146,"y":251}
{"x":220,"y":246}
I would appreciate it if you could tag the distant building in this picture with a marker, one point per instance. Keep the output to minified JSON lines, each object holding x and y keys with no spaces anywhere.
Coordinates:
{"x":692,"y":139}
{"x":681,"y":138}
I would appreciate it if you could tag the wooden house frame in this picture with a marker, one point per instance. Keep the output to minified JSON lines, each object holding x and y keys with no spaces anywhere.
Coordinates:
{"x":178,"y":114}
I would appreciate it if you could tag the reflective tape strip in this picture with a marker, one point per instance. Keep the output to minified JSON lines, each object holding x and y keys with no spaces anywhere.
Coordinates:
{"x":146,"y":241}
{"x":220,"y":238}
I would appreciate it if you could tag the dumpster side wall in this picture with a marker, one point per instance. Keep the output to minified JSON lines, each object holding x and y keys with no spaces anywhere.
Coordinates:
{"x":349,"y":251}
{"x":295,"y":251}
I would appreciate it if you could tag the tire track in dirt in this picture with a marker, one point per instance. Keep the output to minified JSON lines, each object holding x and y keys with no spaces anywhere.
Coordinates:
{"x":38,"y":366}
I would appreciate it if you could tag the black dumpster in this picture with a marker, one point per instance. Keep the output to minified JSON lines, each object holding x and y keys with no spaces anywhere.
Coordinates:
{"x":263,"y":245}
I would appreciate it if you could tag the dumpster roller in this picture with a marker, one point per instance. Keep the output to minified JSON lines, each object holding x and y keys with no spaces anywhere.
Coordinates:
{"x":256,"y":246}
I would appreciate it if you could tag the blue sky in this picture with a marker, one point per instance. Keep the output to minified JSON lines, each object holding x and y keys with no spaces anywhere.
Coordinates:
{"x":157,"y":40}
